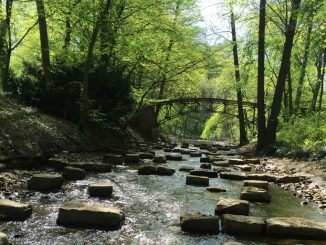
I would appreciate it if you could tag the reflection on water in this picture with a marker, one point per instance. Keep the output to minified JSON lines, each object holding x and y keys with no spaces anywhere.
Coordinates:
{"x":152,"y":205}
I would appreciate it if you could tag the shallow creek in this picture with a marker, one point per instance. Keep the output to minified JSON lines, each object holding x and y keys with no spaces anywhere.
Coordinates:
{"x":152,"y":205}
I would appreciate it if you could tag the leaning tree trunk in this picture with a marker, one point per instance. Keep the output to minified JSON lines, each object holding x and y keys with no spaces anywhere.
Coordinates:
{"x":284,"y":69}
{"x":243,"y":135}
{"x":261,"y":121}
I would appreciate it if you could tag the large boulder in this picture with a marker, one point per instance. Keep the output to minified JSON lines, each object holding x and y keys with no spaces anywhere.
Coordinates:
{"x":288,"y":179}
{"x":254,"y":194}
{"x":174,"y":157}
{"x":131,"y":158}
{"x":45,"y":182}
{"x":197,"y":223}
{"x":71,"y":173}
{"x":295,"y":227}
{"x":3,"y":239}
{"x":206,"y":173}
{"x":257,"y":183}
{"x":12,"y":210}
{"x":197,"y":180}
{"x":90,"y":216}
{"x":233,"y":175}
{"x":232,"y":206}
{"x":241,"y":224}
{"x":216,"y":188}
{"x":91,"y":166}
{"x":113,"y":159}
{"x":159,"y":159}
{"x":100,"y":189}
{"x":264,"y":177}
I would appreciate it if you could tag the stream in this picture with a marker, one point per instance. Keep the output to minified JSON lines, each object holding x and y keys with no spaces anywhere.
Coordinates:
{"x":152,"y":205}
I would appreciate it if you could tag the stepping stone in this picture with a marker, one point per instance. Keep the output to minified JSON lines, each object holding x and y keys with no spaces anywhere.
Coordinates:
{"x":256,"y":183}
{"x":145,"y":155}
{"x":167,"y":150}
{"x":197,"y":223}
{"x":176,"y":150}
{"x":241,"y":224}
{"x":255,"y":161}
{"x":132,"y":158}
{"x":164,"y":171}
{"x":113,"y":159}
{"x":185,"y":145}
{"x":205,"y":159}
{"x":255,"y":194}
{"x":186,"y":168}
{"x":206,"y":166}
{"x":91,"y":166}
{"x":217,"y":159}
{"x":195,"y":154}
{"x":3,"y":239}
{"x":159,"y":159}
{"x":71,"y":173}
{"x":100,"y":190}
{"x":222,"y":169}
{"x":288,"y":179}
{"x":236,"y":161}
{"x":174,"y":157}
{"x":2,"y":167}
{"x":216,"y":188}
{"x":57,"y":163}
{"x":45,"y":182}
{"x":185,"y":151}
{"x":206,"y":173}
{"x":90,"y":216}
{"x":264,"y":177}
{"x":233,"y":175}
{"x":221,"y":164}
{"x":147,"y":170}
{"x":232,"y":206}
{"x":243,"y":167}
{"x":232,"y":243}
{"x":295,"y":227}
{"x":197,"y":180}
{"x":12,"y":210}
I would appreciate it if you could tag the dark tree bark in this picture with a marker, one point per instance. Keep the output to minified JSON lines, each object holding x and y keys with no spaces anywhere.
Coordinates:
{"x":320,"y":65}
{"x":45,"y":50}
{"x":87,"y":66}
{"x":290,"y":91}
{"x":261,"y":120}
{"x":303,"y":67}
{"x":243,"y":135}
{"x":322,"y":83}
{"x":283,"y":73}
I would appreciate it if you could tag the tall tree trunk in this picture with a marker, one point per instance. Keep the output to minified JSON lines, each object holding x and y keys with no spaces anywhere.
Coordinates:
{"x":283,"y":72}
{"x":303,"y":67}
{"x":290,"y":90}
{"x":261,"y":120}
{"x":243,"y":135}
{"x":320,"y":65}
{"x":45,"y":50}
{"x":322,"y":83}
{"x":87,"y":66}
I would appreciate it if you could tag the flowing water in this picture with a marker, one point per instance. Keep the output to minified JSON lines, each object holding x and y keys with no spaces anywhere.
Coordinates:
{"x":152,"y":205}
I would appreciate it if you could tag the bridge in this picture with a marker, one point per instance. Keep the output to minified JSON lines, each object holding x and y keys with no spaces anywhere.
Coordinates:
{"x":146,"y":120}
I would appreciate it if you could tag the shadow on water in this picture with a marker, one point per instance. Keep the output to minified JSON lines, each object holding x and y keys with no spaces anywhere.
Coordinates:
{"x":152,"y":205}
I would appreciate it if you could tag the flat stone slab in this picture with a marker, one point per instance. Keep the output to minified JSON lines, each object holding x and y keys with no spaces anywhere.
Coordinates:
{"x":57,"y":163}
{"x":221,"y":164}
{"x":206,"y":166}
{"x":186,"y":168}
{"x":233,"y":175}
{"x":216,"y":188}
{"x":264,"y":177}
{"x":3,"y":239}
{"x":295,"y":227}
{"x":206,"y":173}
{"x":167,"y":149}
{"x":244,"y":167}
{"x":197,"y":223}
{"x":254,"y":194}
{"x":145,"y":155}
{"x":12,"y":210}
{"x":71,"y":173}
{"x":288,"y":179}
{"x":254,"y":161}
{"x":197,"y":180}
{"x":195,"y":154}
{"x":205,"y":159}
{"x":185,"y":151}
{"x":232,"y":243}
{"x":257,"y":183}
{"x":232,"y":206}
{"x":45,"y":182}
{"x":132,"y":158}
{"x":100,"y":190}
{"x":222,"y":169}
{"x":90,"y":216}
{"x":236,"y":161}
{"x":153,"y":170}
{"x":92,"y":166}
{"x":163,"y":171}
{"x":159,"y":159}
{"x":113,"y":159}
{"x":174,"y":157}
{"x":147,"y":170}
{"x":241,"y":224}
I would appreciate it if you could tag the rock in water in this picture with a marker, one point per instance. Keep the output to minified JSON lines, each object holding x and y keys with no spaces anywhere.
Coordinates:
{"x":186,"y":168}
{"x":295,"y":227}
{"x":113,"y":159}
{"x":159,"y":159}
{"x":232,"y":206}
{"x":197,"y":180}
{"x":90,"y":216}
{"x":45,"y":182}
{"x":264,"y":177}
{"x":206,"y":166}
{"x":174,"y":157}
{"x":71,"y":173}
{"x":3,"y":239}
{"x":206,"y":173}
{"x":233,"y":175}
{"x":15,"y":210}
{"x":241,"y":224}
{"x":164,"y":171}
{"x":197,"y":223}
{"x":147,"y":170}
{"x":255,"y":194}
{"x":100,"y":190}
{"x":132,"y":158}
{"x":256,"y":183}
{"x":216,"y":188}
{"x":145,"y":155}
